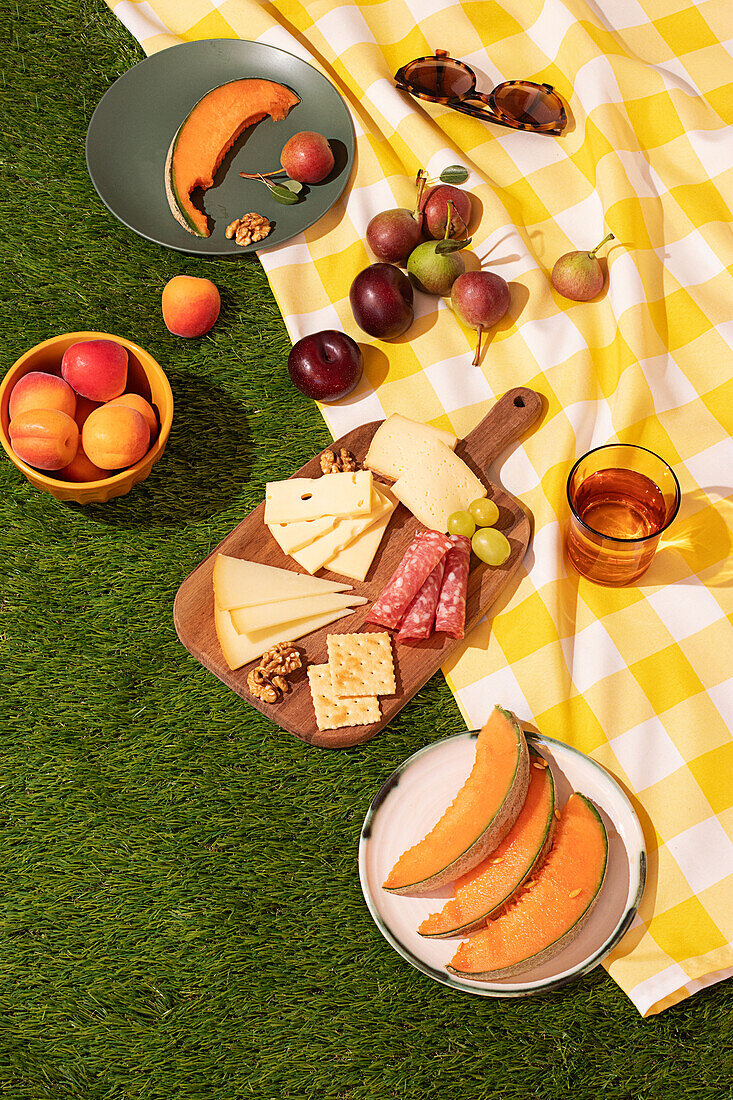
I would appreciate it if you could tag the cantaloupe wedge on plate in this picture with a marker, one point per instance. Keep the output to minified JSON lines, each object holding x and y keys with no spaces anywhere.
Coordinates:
{"x":208,"y":133}
{"x":552,"y":909}
{"x":490,"y":885}
{"x":478,"y":819}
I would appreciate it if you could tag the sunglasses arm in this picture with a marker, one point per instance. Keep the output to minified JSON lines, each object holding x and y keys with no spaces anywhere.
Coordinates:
{"x":487,"y":115}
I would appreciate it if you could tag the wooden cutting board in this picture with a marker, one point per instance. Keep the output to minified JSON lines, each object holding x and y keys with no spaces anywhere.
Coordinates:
{"x":513,"y":414}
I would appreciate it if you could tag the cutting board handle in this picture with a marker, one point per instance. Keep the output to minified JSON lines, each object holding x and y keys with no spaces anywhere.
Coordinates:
{"x":512,"y":415}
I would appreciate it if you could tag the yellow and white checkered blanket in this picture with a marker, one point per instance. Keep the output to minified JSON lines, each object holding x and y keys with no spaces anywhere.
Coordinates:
{"x":640,"y":678}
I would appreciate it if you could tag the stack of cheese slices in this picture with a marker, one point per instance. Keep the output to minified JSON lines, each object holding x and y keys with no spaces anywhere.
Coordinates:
{"x":336,"y":521}
{"x":429,"y":479}
{"x":256,"y":606}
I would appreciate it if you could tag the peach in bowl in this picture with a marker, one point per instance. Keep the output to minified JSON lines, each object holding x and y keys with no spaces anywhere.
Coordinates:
{"x":95,"y":449}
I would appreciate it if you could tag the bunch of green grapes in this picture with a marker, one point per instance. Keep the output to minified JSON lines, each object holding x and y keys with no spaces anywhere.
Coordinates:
{"x":477,"y":524}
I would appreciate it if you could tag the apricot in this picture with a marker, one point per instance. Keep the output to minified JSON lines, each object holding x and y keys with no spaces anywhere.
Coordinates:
{"x":96,"y":369}
{"x":44,"y":438}
{"x":190,"y":305}
{"x":38,"y":390}
{"x":135,"y":401}
{"x":81,"y":468}
{"x":115,"y":436}
{"x":83,"y":407}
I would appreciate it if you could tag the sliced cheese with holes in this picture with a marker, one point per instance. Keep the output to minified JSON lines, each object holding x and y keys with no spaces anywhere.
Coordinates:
{"x":301,"y":498}
{"x":241,"y":583}
{"x":247,"y":619}
{"x":293,"y":536}
{"x":346,"y":530}
{"x":239,"y":649}
{"x":354,"y":560}
{"x":400,"y":442}
{"x":440,"y":483}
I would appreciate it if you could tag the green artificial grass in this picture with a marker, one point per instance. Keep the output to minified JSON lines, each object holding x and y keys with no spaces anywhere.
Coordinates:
{"x":180,"y":911}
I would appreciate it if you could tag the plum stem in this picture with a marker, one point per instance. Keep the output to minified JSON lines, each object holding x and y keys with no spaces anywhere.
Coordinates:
{"x":608,"y":237}
{"x":477,"y":356}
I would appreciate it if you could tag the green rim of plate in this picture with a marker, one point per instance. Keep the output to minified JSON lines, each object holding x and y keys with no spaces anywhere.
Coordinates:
{"x":132,"y":126}
{"x":637,"y":867}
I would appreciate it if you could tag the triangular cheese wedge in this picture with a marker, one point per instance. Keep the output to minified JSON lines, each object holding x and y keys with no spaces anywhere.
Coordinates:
{"x":294,"y":536}
{"x":247,"y":619}
{"x":239,"y":649}
{"x":321,"y":550}
{"x":241,"y":583}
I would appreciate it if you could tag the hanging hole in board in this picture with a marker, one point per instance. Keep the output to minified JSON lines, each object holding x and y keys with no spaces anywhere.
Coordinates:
{"x":306,"y":496}
{"x":519,"y":402}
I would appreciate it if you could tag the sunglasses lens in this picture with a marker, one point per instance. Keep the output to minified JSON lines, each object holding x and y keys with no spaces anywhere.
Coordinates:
{"x":439,"y":77}
{"x":528,"y":103}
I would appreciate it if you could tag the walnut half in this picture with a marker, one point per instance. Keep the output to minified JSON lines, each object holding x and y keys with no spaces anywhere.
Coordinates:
{"x":268,"y":680}
{"x":260,"y":686}
{"x":345,"y":462}
{"x":248,"y":229}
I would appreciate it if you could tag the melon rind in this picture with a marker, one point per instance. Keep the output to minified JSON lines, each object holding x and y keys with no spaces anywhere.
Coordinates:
{"x":479,"y":922}
{"x":494,"y":832}
{"x":176,"y":209}
{"x":557,"y":945}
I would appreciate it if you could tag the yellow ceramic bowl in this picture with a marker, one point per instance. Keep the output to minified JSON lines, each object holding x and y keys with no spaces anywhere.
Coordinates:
{"x":144,"y":376}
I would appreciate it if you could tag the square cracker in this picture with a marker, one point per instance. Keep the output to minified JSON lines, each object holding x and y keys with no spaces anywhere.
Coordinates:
{"x":333,"y":713}
{"x":361,"y":664}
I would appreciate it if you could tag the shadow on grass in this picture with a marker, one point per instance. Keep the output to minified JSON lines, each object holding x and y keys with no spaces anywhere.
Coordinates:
{"x":203,"y":468}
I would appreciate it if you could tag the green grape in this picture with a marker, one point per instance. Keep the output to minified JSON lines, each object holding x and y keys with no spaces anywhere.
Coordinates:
{"x":490,"y":546}
{"x":461,"y":523}
{"x":484,"y":512}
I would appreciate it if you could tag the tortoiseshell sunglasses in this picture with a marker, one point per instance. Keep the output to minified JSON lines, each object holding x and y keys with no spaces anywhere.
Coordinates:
{"x":521,"y":104}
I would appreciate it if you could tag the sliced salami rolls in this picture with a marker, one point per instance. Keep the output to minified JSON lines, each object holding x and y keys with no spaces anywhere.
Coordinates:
{"x":428,"y":589}
{"x":450,"y":613}
{"x":425,"y":551}
{"x":417,"y":623}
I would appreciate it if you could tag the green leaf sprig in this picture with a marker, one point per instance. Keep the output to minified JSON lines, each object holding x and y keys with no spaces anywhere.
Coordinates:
{"x":454,"y":173}
{"x":287,"y":192}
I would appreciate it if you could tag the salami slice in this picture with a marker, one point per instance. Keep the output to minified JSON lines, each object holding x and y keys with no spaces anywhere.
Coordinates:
{"x":450,"y":614}
{"x":420,"y":559}
{"x":420,"y":615}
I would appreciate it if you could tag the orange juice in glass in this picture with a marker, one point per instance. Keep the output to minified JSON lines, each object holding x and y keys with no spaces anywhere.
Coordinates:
{"x":622,"y":498}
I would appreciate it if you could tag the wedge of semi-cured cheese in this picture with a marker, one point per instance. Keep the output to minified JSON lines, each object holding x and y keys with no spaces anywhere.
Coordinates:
{"x":439,"y":484}
{"x":294,"y":536}
{"x":247,"y":619}
{"x":302,"y":498}
{"x":322,"y":550}
{"x":399,"y":443}
{"x":239,"y":649}
{"x":355,"y":559}
{"x":242,"y":583}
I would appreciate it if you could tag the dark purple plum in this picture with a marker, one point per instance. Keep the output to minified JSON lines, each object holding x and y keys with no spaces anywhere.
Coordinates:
{"x":325,"y":365}
{"x":381,"y":301}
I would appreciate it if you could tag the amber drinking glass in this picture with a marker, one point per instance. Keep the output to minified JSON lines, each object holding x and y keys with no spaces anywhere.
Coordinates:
{"x":622,"y":498}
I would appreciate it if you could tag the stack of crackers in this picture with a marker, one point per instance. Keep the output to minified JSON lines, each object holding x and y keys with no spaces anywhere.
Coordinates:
{"x":344,"y":691}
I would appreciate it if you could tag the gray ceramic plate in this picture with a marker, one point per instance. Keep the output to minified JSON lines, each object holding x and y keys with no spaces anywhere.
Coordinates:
{"x":134,"y":122}
{"x":416,"y":795}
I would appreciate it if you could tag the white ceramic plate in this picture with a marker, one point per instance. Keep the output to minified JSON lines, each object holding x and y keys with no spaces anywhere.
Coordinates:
{"x":416,"y":795}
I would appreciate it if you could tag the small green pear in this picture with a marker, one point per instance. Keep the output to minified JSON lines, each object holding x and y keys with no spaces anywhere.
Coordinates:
{"x":434,"y":266}
{"x":432,"y":273}
{"x":579,"y":275}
